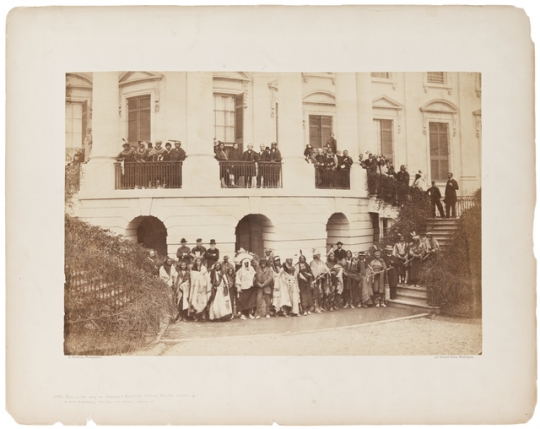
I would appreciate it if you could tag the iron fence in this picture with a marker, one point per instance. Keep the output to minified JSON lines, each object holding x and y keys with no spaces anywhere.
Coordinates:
{"x":332,"y":179}
{"x":247,"y":174}
{"x":148,"y":175}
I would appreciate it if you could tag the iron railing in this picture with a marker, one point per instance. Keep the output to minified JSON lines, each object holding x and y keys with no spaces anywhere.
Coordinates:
{"x":247,"y":174}
{"x":332,"y":179}
{"x":464,"y":203}
{"x":147,"y":175}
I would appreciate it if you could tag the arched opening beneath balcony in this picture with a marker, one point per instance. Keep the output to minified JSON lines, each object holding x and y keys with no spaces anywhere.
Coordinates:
{"x":150,"y":232}
{"x":255,"y":233}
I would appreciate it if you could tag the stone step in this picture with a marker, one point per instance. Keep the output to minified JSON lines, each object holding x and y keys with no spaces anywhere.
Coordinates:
{"x":412,"y":294}
{"x":411,"y":288}
{"x":412,"y":304}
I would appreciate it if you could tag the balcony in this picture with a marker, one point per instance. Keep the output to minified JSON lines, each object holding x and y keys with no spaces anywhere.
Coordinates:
{"x":147,"y":175}
{"x":329,"y":178}
{"x":247,"y":174}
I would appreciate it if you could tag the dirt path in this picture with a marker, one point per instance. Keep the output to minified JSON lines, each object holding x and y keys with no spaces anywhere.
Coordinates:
{"x":422,"y":336}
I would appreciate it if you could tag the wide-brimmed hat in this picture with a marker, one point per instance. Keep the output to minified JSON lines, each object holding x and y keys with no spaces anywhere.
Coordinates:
{"x":212,"y":241}
{"x":388,"y":248}
{"x":429,"y":233}
{"x":199,"y":240}
{"x":183,"y":240}
{"x":339,"y":242}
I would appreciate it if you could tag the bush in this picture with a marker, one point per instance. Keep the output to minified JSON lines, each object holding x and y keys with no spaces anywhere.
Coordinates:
{"x":412,"y":217}
{"x":111,"y":304}
{"x":455,"y":281}
{"x":387,"y":188}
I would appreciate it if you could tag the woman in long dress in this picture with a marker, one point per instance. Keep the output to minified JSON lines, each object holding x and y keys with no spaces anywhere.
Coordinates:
{"x":200,"y":290}
{"x":305,"y":278}
{"x":219,"y":308}
{"x":182,"y":290}
{"x":379,"y":271}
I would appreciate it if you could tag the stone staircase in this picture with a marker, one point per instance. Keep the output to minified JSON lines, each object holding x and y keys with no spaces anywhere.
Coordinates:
{"x":442,"y":229}
{"x":416,"y":298}
{"x":412,"y":298}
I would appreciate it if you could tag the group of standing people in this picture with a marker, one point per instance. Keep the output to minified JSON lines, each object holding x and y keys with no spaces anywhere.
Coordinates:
{"x":205,"y":287}
{"x":332,"y":167}
{"x":255,"y":169}
{"x":143,"y":167}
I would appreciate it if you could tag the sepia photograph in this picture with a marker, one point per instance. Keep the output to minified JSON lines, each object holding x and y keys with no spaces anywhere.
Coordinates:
{"x":273,"y":213}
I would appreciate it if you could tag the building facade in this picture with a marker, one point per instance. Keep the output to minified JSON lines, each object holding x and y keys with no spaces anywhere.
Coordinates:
{"x":427,"y":121}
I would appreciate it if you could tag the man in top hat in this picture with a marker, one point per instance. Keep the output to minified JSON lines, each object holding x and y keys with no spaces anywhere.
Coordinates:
{"x":340,"y":253}
{"x":391,"y":262}
{"x":199,"y":251}
{"x":212,"y":254}
{"x":183,"y":253}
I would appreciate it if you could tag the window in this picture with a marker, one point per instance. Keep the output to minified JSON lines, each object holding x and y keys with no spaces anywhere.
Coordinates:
{"x":139,"y":118}
{"x":436,"y":77}
{"x":385,"y":226}
{"x":376,"y":227}
{"x":384,"y":136}
{"x":438,"y":149}
{"x":229,"y":117}
{"x":320,"y":128}
{"x":75,"y":126}
{"x":381,"y":75}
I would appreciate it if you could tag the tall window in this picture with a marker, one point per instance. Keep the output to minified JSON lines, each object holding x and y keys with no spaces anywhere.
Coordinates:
{"x":438,"y":149}
{"x":75,"y":126}
{"x":139,"y":118}
{"x":384,"y":136}
{"x":381,"y":75}
{"x":229,"y":117}
{"x":320,"y":128}
{"x":436,"y":77}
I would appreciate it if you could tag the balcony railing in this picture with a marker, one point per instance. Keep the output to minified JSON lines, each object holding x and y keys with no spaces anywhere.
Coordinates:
{"x":464,"y":203}
{"x":148,"y":175}
{"x":332,"y":179}
{"x":247,"y":174}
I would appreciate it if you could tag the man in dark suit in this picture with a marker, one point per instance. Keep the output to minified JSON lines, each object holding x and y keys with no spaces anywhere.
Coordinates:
{"x":177,"y":155}
{"x":450,"y":195}
{"x":275,"y":157}
{"x":435,"y":196}
{"x":150,"y":264}
{"x":340,"y":253}
{"x":249,"y":173}
{"x":184,"y":253}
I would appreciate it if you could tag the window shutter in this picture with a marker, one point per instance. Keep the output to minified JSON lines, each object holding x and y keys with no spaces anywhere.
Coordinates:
{"x":239,"y":117}
{"x":315,"y":131}
{"x":438,"y":149}
{"x":435,"y":77}
{"x":326,"y":129}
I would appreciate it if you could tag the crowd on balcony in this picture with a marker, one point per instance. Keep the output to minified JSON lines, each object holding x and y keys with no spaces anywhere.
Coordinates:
{"x":204,"y":286}
{"x":148,"y":166}
{"x":332,"y":166}
{"x":253,"y":169}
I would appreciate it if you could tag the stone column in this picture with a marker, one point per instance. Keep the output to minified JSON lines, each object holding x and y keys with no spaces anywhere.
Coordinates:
{"x":297,"y":173}
{"x":106,"y":144}
{"x":200,"y":170}
{"x":346,"y":124}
